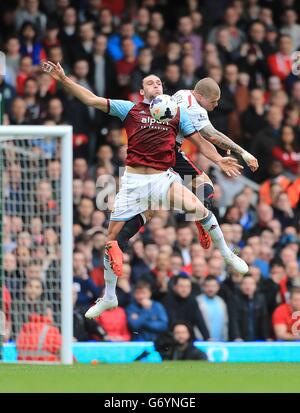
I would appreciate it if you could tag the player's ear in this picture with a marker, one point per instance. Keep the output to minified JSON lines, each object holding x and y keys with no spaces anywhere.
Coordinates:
{"x":142,"y":92}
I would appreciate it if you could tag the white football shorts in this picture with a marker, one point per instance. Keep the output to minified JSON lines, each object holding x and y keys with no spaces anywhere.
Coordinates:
{"x":140,"y":193}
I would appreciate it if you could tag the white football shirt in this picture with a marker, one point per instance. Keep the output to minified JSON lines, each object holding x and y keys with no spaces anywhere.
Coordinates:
{"x":197,"y":114}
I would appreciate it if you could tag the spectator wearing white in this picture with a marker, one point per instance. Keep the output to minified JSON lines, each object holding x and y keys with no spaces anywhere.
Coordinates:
{"x":290,"y":26}
{"x":184,"y":242}
{"x":8,"y":243}
{"x":13,"y":56}
{"x":214,"y":309}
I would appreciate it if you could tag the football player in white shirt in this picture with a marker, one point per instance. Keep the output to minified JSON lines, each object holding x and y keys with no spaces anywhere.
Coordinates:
{"x":197,"y":103}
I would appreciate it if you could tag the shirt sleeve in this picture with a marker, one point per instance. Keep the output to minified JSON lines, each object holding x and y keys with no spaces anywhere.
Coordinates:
{"x":119,"y":108}
{"x":186,"y":128}
{"x":199,"y":118}
{"x":278,"y":316}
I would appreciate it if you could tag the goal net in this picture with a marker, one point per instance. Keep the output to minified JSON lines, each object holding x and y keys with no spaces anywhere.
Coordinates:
{"x":36,"y":242}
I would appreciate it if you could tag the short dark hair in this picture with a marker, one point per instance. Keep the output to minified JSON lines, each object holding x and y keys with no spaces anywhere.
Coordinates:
{"x":183,"y":225}
{"x":284,"y":35}
{"x":178,"y":277}
{"x":85,"y":198}
{"x":276,"y":262}
{"x":210,"y":278}
{"x":86,"y":22}
{"x":126,"y":21}
{"x":149,"y":242}
{"x":142,"y":81}
{"x":140,"y":285}
{"x":183,"y":323}
{"x":248,"y":275}
{"x":176,"y":254}
{"x":126,"y":38}
{"x":143,"y":49}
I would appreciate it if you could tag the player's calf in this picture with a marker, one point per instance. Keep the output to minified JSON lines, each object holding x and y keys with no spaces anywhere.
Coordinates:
{"x":191,"y":204}
{"x":130,"y":228}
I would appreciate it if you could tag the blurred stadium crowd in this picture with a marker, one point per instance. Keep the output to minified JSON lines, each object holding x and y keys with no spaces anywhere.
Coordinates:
{"x":108,"y":47}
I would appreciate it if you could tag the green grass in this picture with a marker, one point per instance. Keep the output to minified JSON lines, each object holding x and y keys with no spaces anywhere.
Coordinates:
{"x":144,"y":377}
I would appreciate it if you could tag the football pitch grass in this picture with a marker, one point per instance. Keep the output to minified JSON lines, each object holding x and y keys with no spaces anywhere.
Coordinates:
{"x":172,"y":377}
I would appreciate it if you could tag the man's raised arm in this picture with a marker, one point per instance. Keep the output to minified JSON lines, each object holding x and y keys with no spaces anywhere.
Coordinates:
{"x":86,"y":96}
{"x":228,"y":164}
{"x":224,"y":142}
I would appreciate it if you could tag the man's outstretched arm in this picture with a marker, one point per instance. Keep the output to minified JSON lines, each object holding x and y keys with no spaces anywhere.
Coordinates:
{"x":84,"y":95}
{"x":228,"y":164}
{"x":224,"y":142}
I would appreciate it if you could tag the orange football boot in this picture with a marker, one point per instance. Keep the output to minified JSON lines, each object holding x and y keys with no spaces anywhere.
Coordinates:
{"x":115,"y":256}
{"x":204,"y":237}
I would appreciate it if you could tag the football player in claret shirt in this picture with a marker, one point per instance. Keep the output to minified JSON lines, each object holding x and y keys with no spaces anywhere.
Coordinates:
{"x":149,"y":181}
{"x":197,"y":103}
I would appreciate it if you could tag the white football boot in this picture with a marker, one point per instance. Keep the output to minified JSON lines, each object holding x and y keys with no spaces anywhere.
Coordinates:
{"x":101,"y":306}
{"x":237,"y":263}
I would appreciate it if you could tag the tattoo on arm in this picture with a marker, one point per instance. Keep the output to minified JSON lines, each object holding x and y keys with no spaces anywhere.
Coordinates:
{"x":219,"y":139}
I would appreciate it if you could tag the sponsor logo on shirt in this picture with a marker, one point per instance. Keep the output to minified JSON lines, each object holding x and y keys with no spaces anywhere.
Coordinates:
{"x":150,"y":122}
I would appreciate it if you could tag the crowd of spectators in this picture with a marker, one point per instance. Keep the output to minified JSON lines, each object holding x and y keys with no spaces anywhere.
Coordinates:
{"x":168,"y":279}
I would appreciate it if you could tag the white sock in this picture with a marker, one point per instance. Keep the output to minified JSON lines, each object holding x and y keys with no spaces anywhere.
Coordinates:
{"x":110,"y":280}
{"x":211,"y":225}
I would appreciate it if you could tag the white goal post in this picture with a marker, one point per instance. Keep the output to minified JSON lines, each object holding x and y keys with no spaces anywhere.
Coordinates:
{"x":27,"y":142}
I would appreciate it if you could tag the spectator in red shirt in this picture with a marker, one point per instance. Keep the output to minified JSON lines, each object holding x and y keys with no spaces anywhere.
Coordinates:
{"x":126,"y":66}
{"x":114,"y":322}
{"x":6,"y":297}
{"x":280,"y":63}
{"x":287,"y":151}
{"x":285,"y":318}
{"x":26,"y":71}
{"x":39,"y":340}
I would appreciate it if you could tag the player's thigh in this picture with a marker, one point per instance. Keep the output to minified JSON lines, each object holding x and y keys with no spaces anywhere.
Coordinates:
{"x":131,"y":200}
{"x":181,"y":198}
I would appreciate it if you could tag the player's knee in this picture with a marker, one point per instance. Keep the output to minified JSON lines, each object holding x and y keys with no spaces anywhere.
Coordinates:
{"x":209,"y":193}
{"x":148,"y":215}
